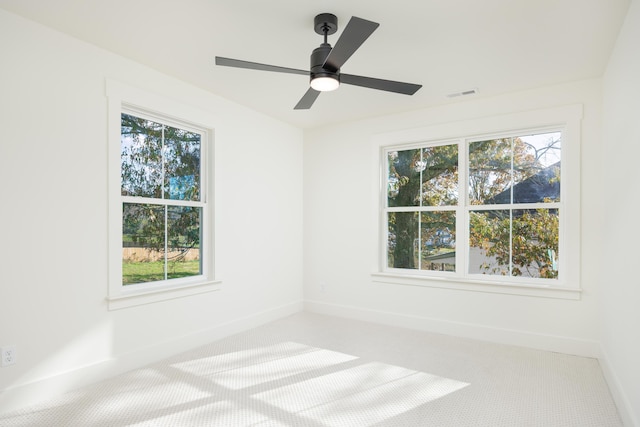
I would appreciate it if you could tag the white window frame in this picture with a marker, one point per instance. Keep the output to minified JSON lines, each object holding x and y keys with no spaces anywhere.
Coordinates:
{"x":126,"y":99}
{"x":565,"y":119}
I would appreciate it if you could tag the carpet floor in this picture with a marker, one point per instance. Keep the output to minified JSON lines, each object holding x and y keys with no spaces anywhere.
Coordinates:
{"x":319,"y":371}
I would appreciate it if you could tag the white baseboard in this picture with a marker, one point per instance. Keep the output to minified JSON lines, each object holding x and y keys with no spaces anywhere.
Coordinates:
{"x":620,"y":398}
{"x":545,"y":342}
{"x":46,"y":388}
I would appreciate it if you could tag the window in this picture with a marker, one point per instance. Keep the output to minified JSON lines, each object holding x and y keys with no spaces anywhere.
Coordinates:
{"x":162,"y":205}
{"x":160,"y":199}
{"x":422,"y":201}
{"x":481,"y":208}
{"x":514,"y":205}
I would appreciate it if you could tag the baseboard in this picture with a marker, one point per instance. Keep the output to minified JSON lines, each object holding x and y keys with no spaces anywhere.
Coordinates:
{"x":620,"y":398}
{"x":545,"y":342}
{"x":46,"y":388}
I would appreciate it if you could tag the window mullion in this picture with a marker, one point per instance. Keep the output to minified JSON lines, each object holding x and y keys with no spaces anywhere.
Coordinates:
{"x":163,"y":202}
{"x":422,"y":167}
{"x":510,"y":242}
{"x":511,"y":209}
{"x":204,"y":179}
{"x":164,"y":164}
{"x":166,"y":209}
{"x":383,"y":204}
{"x":462,"y":212}
{"x":511,"y":172}
{"x":166,"y":241}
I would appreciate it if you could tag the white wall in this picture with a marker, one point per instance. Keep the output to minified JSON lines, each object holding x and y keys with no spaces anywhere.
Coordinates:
{"x":53,"y":266}
{"x":620,"y":285}
{"x":340,"y":232}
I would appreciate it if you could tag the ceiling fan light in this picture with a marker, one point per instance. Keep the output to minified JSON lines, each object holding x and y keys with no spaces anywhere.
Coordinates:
{"x":325,"y":84}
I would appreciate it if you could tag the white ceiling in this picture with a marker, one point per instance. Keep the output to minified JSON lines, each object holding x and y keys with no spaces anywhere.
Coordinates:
{"x":496,"y":46}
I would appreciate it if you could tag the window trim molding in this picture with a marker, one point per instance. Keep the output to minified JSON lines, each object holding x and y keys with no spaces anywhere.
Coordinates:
{"x":568,"y":118}
{"x":124,"y":98}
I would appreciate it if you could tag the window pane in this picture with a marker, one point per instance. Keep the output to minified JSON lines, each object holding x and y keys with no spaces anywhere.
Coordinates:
{"x":518,"y":243}
{"x":183,"y":246}
{"x":490,"y":242}
{"x":182,"y":164}
{"x":140,"y":157}
{"x":535,"y":243}
{"x":537,"y":168}
{"x":490,"y":172}
{"x":403,"y":182}
{"x":438,"y":238}
{"x":440,"y":175}
{"x":402,"y":240}
{"x":143,"y":243}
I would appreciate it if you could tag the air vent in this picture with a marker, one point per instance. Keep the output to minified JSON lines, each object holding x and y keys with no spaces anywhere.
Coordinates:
{"x":463,"y":93}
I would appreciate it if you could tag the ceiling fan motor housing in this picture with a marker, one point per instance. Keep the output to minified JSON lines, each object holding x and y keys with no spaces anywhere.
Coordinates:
{"x":318,"y":58}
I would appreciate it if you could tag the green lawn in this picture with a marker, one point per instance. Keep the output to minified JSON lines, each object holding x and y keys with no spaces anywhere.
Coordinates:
{"x":140,"y":272}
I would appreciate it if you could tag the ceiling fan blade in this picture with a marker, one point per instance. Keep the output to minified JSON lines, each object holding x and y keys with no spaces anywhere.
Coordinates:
{"x":352,"y":37}
{"x":307,"y":100}
{"x":380,"y":84}
{"x":228,"y":62}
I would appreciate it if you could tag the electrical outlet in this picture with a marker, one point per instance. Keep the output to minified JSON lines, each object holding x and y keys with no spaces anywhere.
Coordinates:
{"x":8,"y":354}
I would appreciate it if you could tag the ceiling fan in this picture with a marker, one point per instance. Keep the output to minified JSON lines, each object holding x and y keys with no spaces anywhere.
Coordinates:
{"x":326,"y":61}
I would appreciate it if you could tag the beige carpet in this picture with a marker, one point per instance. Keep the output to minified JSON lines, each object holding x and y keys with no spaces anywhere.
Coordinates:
{"x":312,"y":370}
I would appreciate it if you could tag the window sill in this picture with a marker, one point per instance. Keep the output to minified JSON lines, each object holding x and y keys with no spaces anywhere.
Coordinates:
{"x":138,"y":297}
{"x":457,"y":283}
